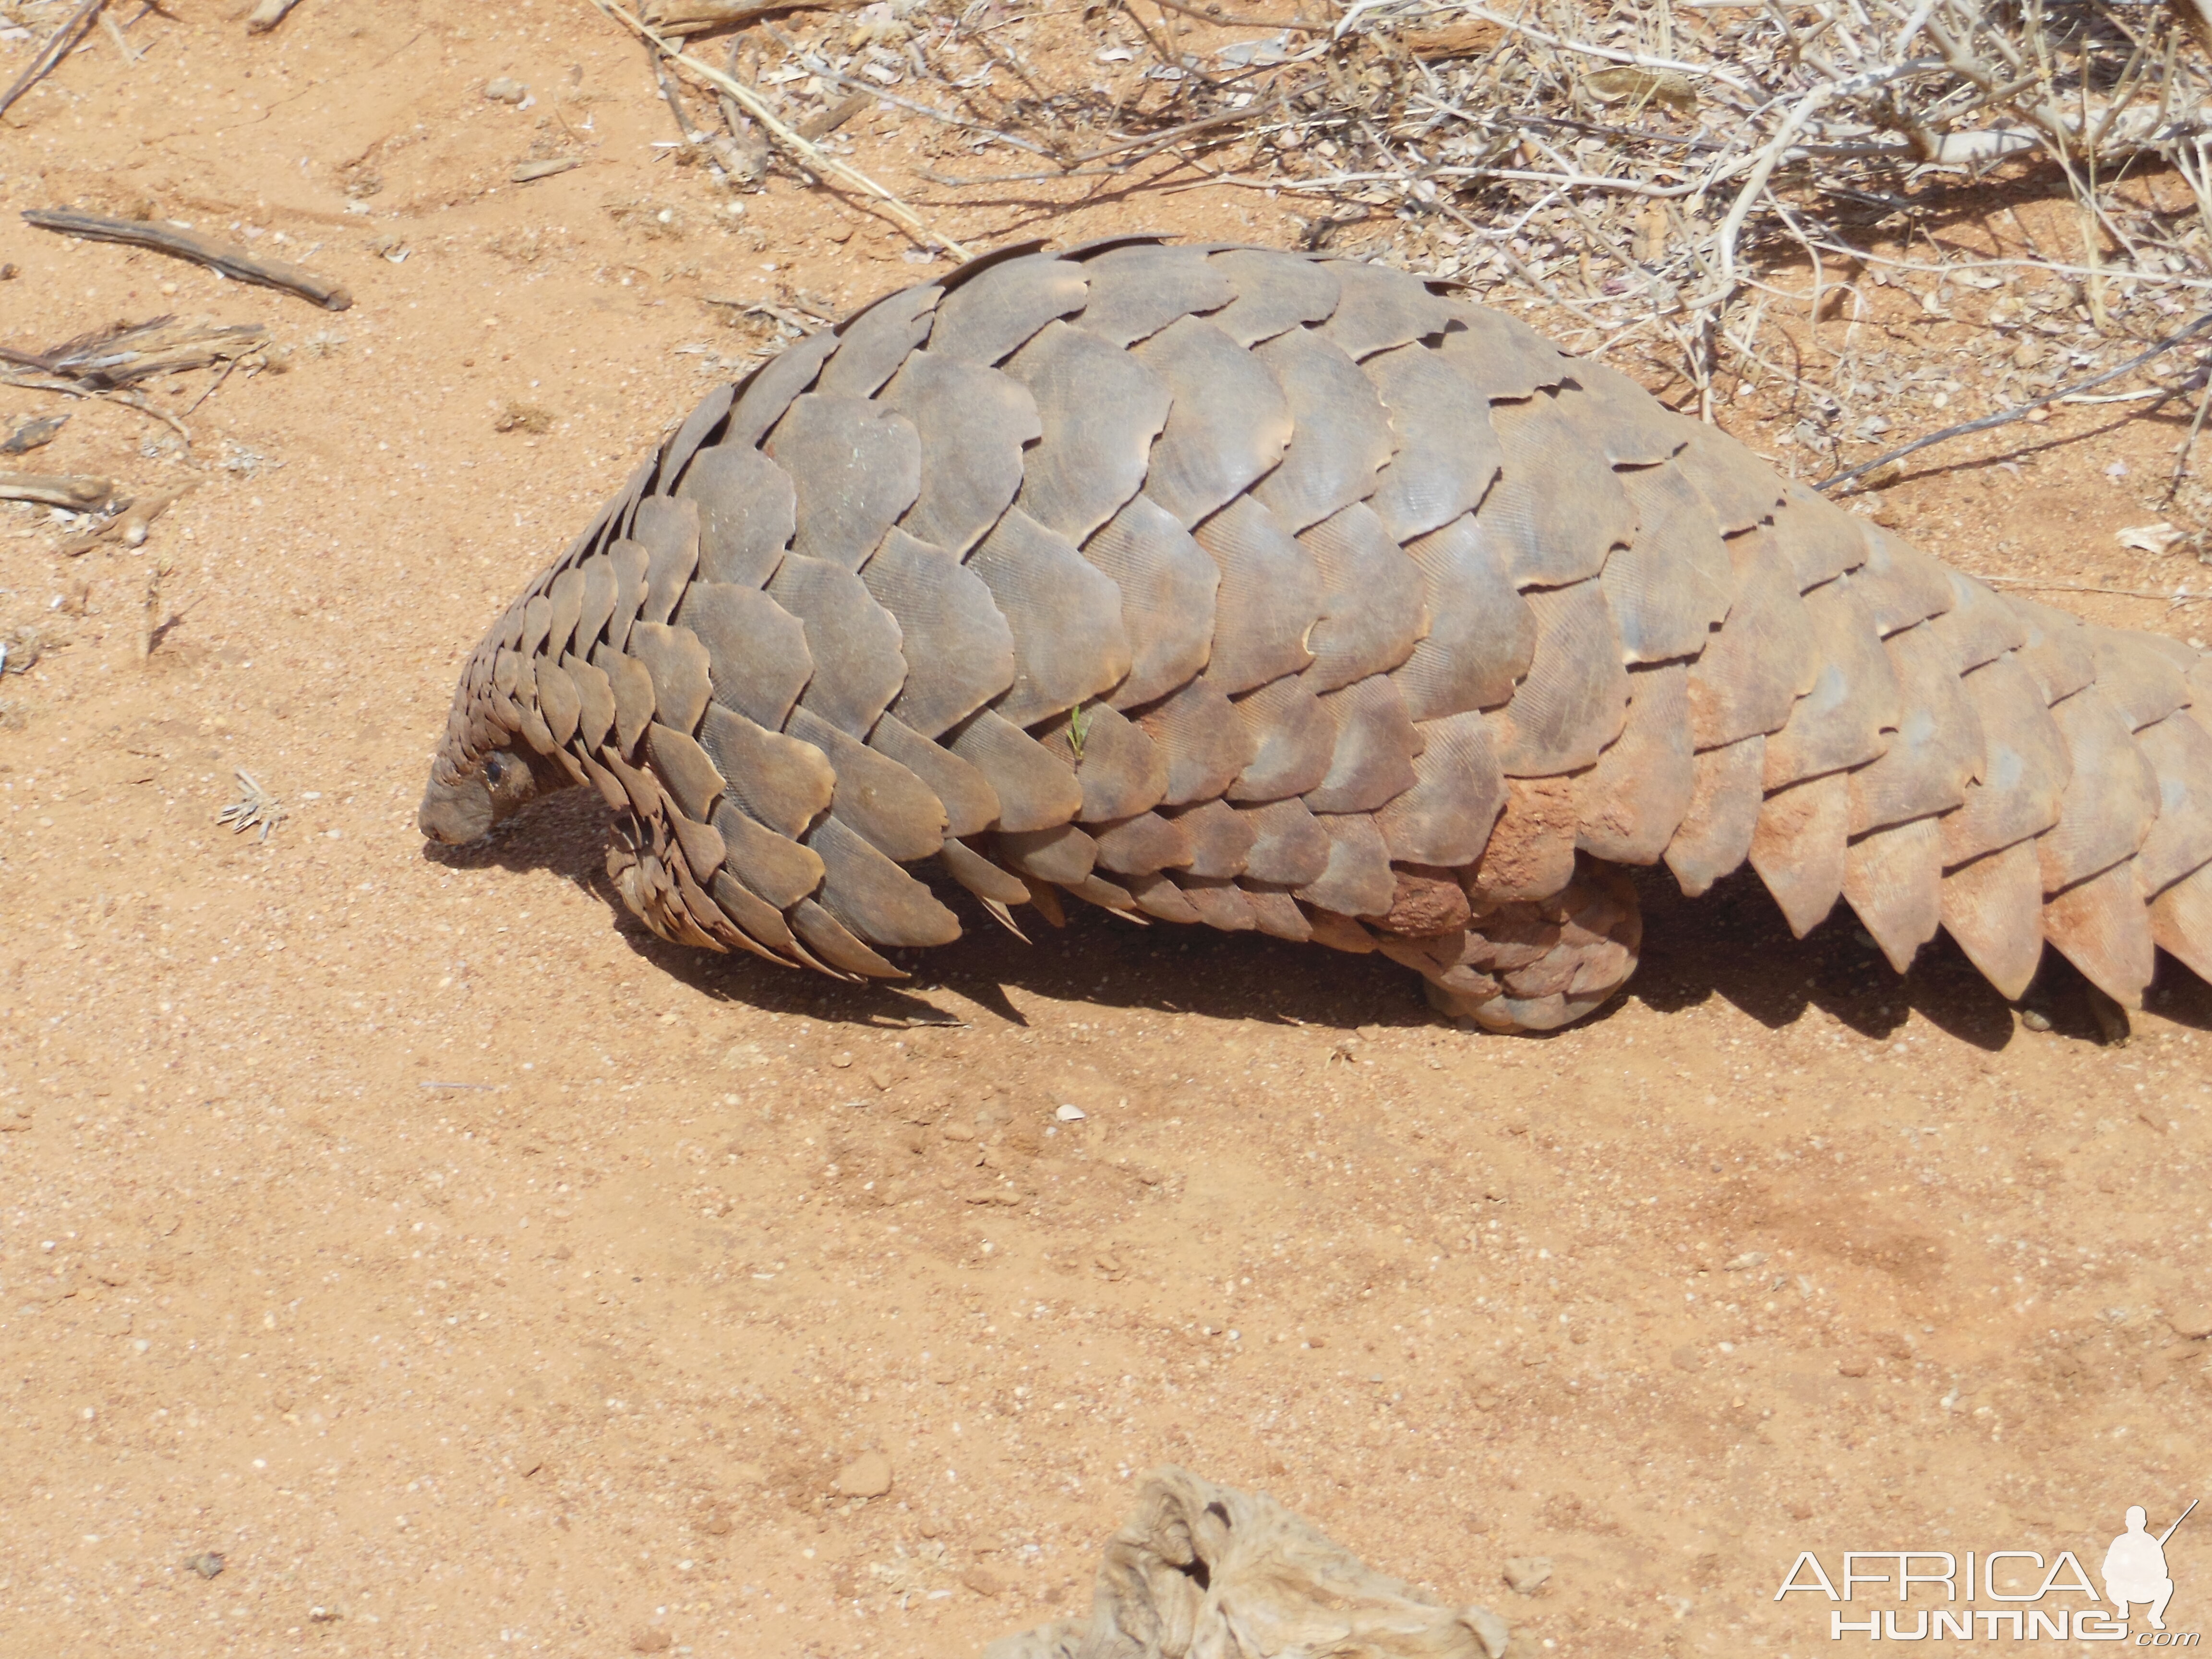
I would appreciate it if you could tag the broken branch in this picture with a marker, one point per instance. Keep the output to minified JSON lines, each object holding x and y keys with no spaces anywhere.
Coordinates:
{"x":129,"y":525}
{"x":697,"y":16}
{"x":2020,"y":411}
{"x":59,"y":46}
{"x":217,"y":255}
{"x":76,"y":491}
{"x":124,"y":356}
{"x":809,"y":154}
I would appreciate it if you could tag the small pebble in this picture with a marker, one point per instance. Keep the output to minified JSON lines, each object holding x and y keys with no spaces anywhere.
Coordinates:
{"x":868,"y":1475}
{"x":2193,"y":1322}
{"x":506,"y":90}
{"x":1525,"y":1574}
{"x":1071,"y":1115}
{"x":2034,"y":1019}
{"x":32,"y":435}
{"x":206,"y":1564}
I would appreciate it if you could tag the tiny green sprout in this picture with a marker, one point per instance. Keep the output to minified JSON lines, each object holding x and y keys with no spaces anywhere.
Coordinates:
{"x":1078,"y":727}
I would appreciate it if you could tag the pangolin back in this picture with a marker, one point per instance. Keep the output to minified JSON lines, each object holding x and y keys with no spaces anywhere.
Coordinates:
{"x":1292,"y":593}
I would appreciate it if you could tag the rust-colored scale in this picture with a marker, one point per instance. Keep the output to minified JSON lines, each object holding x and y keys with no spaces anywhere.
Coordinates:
{"x":1293,"y":595}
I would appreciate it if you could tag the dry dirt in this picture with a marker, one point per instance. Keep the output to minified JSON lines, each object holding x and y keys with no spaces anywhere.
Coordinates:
{"x":474,"y":1273}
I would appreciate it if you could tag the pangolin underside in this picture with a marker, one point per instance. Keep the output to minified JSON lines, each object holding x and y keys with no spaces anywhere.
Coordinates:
{"x":1226,"y":586}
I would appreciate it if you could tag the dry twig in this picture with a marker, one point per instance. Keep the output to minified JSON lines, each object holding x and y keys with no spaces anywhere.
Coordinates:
{"x":739,"y":165}
{"x":108,"y":359}
{"x":678,"y":17}
{"x":255,"y":807}
{"x":133,"y":516}
{"x":1643,"y":176}
{"x":218,"y":256}
{"x":2019,"y":411}
{"x":131,"y":54}
{"x":149,"y":610}
{"x":106,"y":364}
{"x":809,"y":154}
{"x":76,"y":492}
{"x":878,"y":94}
{"x":1220,"y":19}
{"x":2173,"y":601}
{"x":59,"y":46}
{"x":71,"y":389}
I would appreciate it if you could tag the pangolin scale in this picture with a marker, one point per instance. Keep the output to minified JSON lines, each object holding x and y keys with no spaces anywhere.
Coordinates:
{"x":1294,"y":594}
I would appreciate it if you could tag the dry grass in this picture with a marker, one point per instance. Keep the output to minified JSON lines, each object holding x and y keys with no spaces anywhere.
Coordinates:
{"x":1684,"y":187}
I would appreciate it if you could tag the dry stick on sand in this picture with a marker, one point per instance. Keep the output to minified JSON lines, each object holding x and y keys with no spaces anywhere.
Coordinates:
{"x":862,"y":88}
{"x":131,"y":54}
{"x":810,"y":154}
{"x":1610,"y":54}
{"x":826,"y":121}
{"x":68,"y":388}
{"x":2020,"y":411}
{"x":737,"y":169}
{"x":694,"y":16}
{"x":214,"y":386}
{"x":2186,"y":450}
{"x":111,"y":358}
{"x":59,"y":46}
{"x":1174,"y":135}
{"x":130,"y":524}
{"x":77,"y":493}
{"x":108,"y":363}
{"x":150,"y":622}
{"x":218,"y":256}
{"x":1133,"y":150}
{"x":1221,"y":19}
{"x":2173,"y":601}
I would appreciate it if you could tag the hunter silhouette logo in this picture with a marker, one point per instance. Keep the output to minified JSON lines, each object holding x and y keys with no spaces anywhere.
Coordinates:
{"x":2134,"y":1567}
{"x":2134,"y":1573}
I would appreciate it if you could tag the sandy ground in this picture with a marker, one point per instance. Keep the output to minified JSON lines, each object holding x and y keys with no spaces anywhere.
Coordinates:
{"x":473,"y":1274}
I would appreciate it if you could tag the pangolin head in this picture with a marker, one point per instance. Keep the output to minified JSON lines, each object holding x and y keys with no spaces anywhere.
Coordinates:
{"x":463,"y":802}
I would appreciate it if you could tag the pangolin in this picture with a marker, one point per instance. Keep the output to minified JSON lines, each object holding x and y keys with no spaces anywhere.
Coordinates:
{"x":1296,"y":594}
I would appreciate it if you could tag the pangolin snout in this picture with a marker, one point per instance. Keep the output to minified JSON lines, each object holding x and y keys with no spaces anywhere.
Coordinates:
{"x":464,"y":807}
{"x":456,"y":812}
